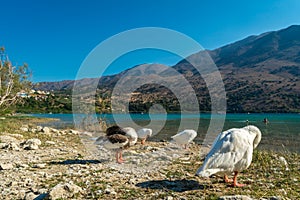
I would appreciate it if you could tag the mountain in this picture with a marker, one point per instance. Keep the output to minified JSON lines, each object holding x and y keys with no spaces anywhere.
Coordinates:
{"x":261,"y":74}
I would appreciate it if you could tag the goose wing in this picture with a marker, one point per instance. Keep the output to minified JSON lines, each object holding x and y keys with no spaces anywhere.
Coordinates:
{"x":115,"y":141}
{"x":114,"y":130}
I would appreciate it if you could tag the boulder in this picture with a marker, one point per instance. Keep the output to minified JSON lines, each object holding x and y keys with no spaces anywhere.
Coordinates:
{"x":31,"y":144}
{"x":13,"y":146}
{"x":62,"y":191}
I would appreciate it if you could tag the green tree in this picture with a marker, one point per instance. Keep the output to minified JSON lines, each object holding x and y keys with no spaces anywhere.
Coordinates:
{"x":13,"y":81}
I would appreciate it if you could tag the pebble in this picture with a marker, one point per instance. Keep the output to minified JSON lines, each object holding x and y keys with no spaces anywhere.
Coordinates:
{"x":24,"y":129}
{"x":39,"y":128}
{"x":6,"y":166}
{"x":30,"y":196}
{"x":50,"y":142}
{"x":40,"y":166}
{"x":235,"y":197}
{"x":46,"y":130}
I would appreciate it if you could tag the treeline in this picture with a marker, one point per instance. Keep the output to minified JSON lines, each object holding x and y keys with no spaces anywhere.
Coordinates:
{"x":47,"y":104}
{"x":249,"y":99}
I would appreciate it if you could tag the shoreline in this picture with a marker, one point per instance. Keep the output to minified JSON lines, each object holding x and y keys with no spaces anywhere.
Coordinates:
{"x":152,"y":171}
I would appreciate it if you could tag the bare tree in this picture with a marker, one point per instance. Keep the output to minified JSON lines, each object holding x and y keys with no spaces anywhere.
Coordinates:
{"x":13,"y":80}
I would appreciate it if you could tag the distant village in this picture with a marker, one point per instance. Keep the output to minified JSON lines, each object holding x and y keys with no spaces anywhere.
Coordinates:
{"x":37,"y":94}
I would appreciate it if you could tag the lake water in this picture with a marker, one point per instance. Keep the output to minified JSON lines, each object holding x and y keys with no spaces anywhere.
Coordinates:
{"x":280,"y":134}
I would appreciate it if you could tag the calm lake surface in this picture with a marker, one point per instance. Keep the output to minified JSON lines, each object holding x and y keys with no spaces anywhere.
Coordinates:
{"x":280,"y":134}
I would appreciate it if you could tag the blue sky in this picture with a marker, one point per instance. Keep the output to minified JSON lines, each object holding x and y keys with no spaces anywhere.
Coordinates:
{"x":55,"y":36}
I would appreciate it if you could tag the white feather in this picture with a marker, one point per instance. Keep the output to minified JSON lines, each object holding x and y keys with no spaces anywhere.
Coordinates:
{"x":131,"y":134}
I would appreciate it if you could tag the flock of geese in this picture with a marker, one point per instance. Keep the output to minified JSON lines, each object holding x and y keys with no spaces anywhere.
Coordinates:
{"x":230,"y":153}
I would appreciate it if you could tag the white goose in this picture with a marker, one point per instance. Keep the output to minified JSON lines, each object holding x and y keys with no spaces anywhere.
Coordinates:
{"x":184,"y":137}
{"x":143,"y":134}
{"x":231,"y":152}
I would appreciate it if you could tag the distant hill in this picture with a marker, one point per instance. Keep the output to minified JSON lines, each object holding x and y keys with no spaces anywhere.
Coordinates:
{"x":261,"y":74}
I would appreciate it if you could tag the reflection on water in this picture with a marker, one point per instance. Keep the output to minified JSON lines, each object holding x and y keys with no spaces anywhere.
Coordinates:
{"x":282,"y":132}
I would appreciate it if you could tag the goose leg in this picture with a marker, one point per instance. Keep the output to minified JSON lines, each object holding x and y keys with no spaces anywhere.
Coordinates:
{"x":235,"y":183}
{"x":185,"y":146}
{"x":226,"y":179}
{"x":143,"y":141}
{"x":119,"y":157}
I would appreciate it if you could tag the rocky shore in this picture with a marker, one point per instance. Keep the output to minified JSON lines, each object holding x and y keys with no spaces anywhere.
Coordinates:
{"x":45,"y":163}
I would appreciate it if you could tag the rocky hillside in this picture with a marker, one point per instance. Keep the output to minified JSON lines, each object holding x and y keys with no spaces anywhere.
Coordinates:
{"x":261,"y":74}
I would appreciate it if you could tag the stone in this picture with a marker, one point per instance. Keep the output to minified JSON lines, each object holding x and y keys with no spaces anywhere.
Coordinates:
{"x":30,"y":196}
{"x":6,"y":166}
{"x":74,"y":132}
{"x":235,"y":197}
{"x":31,"y":144}
{"x":22,"y":165}
{"x":33,"y":130}
{"x":50,"y":142}
{"x":46,"y":130}
{"x":7,"y":139}
{"x":3,"y":145}
{"x":13,"y":146}
{"x":24,"y":129}
{"x":109,"y":191}
{"x":64,"y":191}
{"x":10,"y":146}
{"x":54,"y":130}
{"x":13,"y":184}
{"x":40,"y":166}
{"x":284,"y":162}
{"x":39,"y":128}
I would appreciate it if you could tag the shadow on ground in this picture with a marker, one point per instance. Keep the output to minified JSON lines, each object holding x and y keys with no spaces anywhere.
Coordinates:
{"x":75,"y":161}
{"x":176,"y":185}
